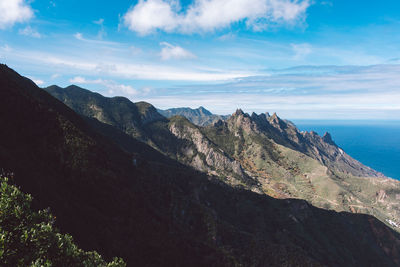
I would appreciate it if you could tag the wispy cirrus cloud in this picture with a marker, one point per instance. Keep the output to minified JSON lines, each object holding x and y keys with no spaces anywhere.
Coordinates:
{"x":119,"y":67}
{"x":113,"y":87}
{"x":13,"y":11}
{"x":335,"y":92}
{"x":102,"y":33}
{"x":210,"y":15}
{"x":29,"y":31}
{"x":301,"y":50}
{"x":170,"y":51}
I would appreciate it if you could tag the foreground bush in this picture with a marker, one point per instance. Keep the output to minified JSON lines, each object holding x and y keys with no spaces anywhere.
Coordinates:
{"x":29,"y":238}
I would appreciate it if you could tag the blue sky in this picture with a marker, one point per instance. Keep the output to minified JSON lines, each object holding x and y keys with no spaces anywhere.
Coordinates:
{"x":309,"y":59}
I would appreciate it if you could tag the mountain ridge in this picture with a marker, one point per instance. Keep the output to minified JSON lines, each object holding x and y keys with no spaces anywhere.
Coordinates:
{"x":137,"y":210}
{"x":199,"y":116}
{"x":269,"y":155}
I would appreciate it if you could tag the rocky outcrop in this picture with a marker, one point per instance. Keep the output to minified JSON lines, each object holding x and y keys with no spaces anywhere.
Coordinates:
{"x":332,"y":156}
{"x":214,"y":157}
{"x":320,"y":148}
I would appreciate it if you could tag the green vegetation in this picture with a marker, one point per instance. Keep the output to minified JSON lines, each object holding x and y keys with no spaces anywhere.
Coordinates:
{"x":29,"y":238}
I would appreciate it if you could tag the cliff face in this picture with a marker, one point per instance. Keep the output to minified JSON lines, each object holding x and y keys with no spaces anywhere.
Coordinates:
{"x":206,"y":156}
{"x":322,"y":149}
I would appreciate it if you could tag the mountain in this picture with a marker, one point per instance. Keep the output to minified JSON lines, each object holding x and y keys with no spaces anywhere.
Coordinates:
{"x":116,"y":111}
{"x":288,"y":163}
{"x":269,"y":155}
{"x":199,"y":116}
{"x":157,"y":132}
{"x":154,"y":212}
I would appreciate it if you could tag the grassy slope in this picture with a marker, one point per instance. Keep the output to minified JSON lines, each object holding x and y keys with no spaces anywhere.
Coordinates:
{"x":284,"y":172}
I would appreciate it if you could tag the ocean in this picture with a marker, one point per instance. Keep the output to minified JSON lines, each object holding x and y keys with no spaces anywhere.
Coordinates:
{"x":374,"y":143}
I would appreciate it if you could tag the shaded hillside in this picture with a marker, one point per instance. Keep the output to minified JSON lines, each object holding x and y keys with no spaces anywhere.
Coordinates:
{"x":117,"y":111}
{"x":155,"y":214}
{"x":158,"y":132}
{"x":199,"y":116}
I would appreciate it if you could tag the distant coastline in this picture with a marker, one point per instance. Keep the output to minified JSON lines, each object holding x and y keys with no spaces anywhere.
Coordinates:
{"x":376,"y":143}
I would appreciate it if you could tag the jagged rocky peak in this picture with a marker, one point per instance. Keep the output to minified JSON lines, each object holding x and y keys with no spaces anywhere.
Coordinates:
{"x":249,"y":123}
{"x":277,"y":122}
{"x":274,"y":118}
{"x":238,"y":112}
{"x":260,"y":119}
{"x":328,"y":139}
{"x":265,"y":115}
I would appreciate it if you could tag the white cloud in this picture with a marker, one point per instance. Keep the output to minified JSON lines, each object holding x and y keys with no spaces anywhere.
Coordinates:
{"x":228,"y":36}
{"x":80,"y":80}
{"x":335,"y":92}
{"x":102,"y":31}
{"x":113,"y":87}
{"x":301,"y":50}
{"x":6,"y":48}
{"x":135,"y":50}
{"x":121,"y":89}
{"x":79,"y":36}
{"x":147,"y":90}
{"x":37,"y":81}
{"x":148,"y":16}
{"x":29,"y":31}
{"x":99,"y":21}
{"x":13,"y":11}
{"x":92,"y":63}
{"x":170,"y":51}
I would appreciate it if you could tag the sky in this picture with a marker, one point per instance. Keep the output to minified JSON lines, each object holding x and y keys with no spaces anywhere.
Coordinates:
{"x":304,"y":59}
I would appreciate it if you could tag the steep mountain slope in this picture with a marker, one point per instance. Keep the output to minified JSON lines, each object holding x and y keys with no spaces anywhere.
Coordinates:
{"x":289,"y":163}
{"x":268,"y":155}
{"x":157,"y":131}
{"x":321,"y":148}
{"x":116,"y":111}
{"x":199,"y":116}
{"x":155,"y":214}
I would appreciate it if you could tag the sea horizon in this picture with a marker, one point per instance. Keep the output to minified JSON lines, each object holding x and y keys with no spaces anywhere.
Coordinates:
{"x":375,"y":143}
